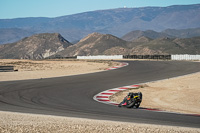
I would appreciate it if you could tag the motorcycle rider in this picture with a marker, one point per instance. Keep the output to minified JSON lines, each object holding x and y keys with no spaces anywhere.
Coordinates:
{"x":130,"y":96}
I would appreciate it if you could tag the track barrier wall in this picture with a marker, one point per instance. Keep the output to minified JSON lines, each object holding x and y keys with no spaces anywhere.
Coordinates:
{"x":150,"y":57}
{"x":160,"y":57}
{"x":185,"y":57}
{"x":101,"y":57}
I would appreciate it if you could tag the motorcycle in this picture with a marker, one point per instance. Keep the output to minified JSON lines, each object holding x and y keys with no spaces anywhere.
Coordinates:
{"x":132,"y":100}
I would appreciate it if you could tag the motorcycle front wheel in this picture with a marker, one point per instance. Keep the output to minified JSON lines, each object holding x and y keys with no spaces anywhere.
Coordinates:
{"x":130,"y":103}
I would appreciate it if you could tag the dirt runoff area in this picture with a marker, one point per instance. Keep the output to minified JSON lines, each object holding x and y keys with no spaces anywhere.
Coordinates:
{"x":31,"y":123}
{"x":166,"y":91}
{"x":179,"y":94}
{"x":36,"y":69}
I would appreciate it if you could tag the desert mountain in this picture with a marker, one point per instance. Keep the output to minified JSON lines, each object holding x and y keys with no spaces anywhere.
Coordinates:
{"x":106,"y":44}
{"x":169,"y":33}
{"x":142,"y":39}
{"x":168,"y":46}
{"x":94,"y":44}
{"x":38,"y":46}
{"x":183,"y":33}
{"x":149,"y":33}
{"x":45,"y":45}
{"x":117,"y":22}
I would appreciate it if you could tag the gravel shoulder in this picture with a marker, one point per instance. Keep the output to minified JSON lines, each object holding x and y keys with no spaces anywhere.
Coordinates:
{"x":22,"y":123}
{"x":36,"y":69}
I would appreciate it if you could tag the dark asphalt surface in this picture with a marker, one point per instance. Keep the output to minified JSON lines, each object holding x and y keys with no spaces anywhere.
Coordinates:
{"x":73,"y":95}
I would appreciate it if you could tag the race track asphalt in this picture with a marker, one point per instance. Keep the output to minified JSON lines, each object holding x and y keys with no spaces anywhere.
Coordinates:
{"x":73,"y":95}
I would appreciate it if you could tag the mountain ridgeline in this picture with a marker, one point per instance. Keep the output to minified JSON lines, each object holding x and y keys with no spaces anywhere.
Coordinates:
{"x":169,"y":33}
{"x":106,"y":44}
{"x":38,"y":46}
{"x":50,"y":45}
{"x":117,"y":22}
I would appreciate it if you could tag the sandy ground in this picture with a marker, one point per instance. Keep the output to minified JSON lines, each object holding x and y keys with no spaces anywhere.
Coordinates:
{"x":29,"y":123}
{"x":176,"y":90}
{"x":179,"y":94}
{"x":29,"y":69}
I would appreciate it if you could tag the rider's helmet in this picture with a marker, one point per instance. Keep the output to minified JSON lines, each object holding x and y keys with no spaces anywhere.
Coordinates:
{"x":130,"y":94}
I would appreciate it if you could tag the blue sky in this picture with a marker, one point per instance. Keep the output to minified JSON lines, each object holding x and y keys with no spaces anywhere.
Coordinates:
{"x":55,"y":8}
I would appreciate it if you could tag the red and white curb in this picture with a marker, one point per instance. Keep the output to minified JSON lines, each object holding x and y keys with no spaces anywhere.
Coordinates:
{"x":103,"y":97}
{"x":123,"y":64}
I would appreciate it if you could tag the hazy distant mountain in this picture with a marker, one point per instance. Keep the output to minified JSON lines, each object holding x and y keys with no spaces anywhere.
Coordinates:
{"x":38,"y":46}
{"x":117,"y":22}
{"x":10,"y":35}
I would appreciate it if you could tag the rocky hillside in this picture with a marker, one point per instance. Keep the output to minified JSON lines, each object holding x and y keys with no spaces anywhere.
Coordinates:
{"x":106,"y":44}
{"x":183,"y":33}
{"x":169,"y":33}
{"x":45,"y":45}
{"x":167,"y":46}
{"x":113,"y":21}
{"x":149,"y":33}
{"x":94,"y":44}
{"x":38,"y":46}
